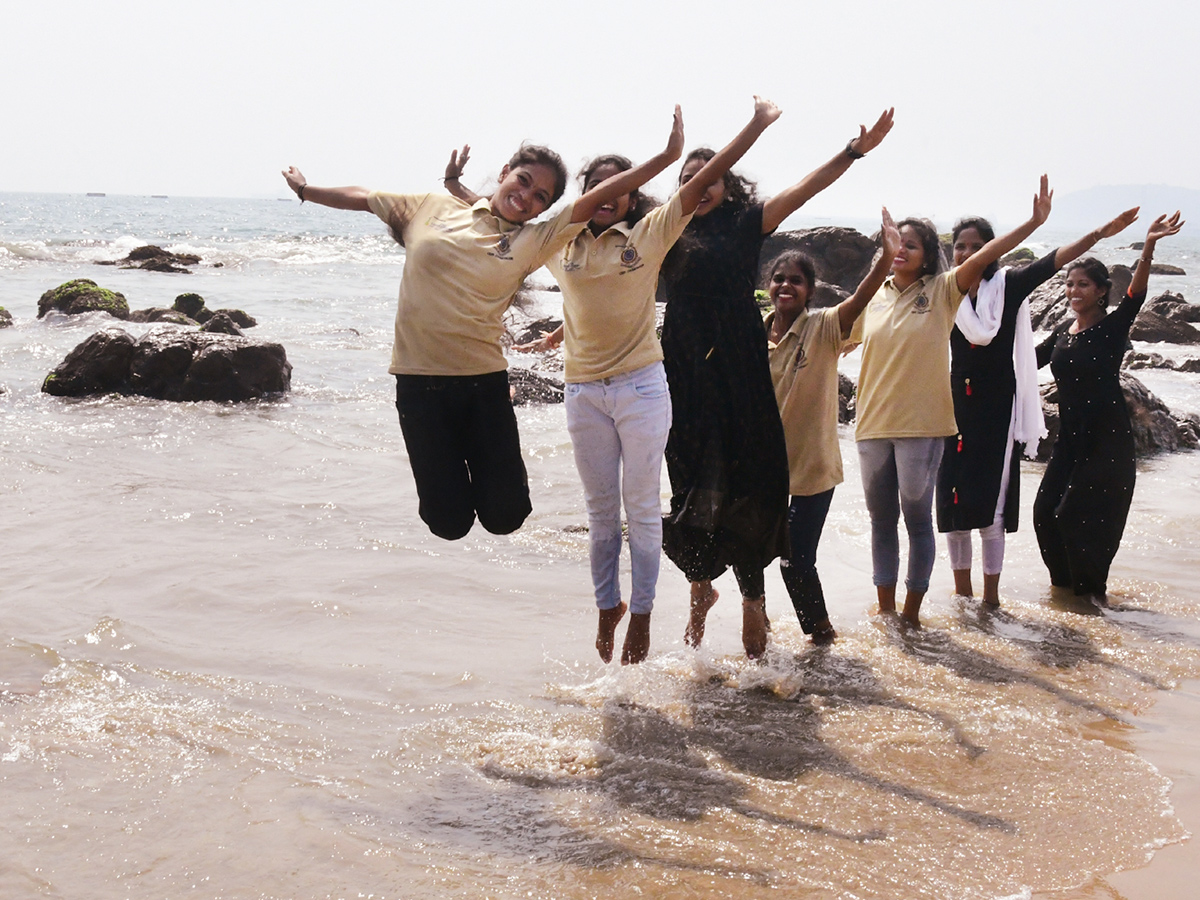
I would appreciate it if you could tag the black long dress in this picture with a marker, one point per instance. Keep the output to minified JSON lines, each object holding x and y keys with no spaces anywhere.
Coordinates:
{"x":983,"y":385}
{"x":1080,"y":511}
{"x":726,"y":456}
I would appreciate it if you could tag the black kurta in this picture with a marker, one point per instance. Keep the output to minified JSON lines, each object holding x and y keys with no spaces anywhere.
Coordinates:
{"x":983,"y":385}
{"x":1080,"y":511}
{"x":726,"y":456}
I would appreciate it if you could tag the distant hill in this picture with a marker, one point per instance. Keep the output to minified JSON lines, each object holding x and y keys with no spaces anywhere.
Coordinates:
{"x":1094,"y":205}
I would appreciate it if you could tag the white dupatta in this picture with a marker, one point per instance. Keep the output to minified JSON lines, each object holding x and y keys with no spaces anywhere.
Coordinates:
{"x":979,"y":323}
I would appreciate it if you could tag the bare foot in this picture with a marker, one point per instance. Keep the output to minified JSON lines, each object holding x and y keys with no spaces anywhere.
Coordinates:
{"x":704,"y":595}
{"x":754,"y":626}
{"x":823,"y":635}
{"x":607,"y":628}
{"x":637,"y":639}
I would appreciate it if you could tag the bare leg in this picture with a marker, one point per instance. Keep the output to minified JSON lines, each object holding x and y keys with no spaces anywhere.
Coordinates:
{"x":962,"y":583}
{"x":912,"y":608}
{"x":637,"y":639}
{"x":607,"y":628}
{"x":704,"y":595}
{"x":754,"y":626}
{"x":823,"y":634}
{"x":991,"y":589}
{"x":887,"y":597}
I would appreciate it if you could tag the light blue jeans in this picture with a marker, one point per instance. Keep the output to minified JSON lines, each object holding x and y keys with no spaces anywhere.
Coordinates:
{"x":898,"y":475}
{"x":619,"y":428}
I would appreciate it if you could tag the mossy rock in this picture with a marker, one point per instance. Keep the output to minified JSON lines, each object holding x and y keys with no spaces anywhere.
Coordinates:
{"x":189,"y":304}
{"x":81,"y":296}
{"x":1019,"y":256}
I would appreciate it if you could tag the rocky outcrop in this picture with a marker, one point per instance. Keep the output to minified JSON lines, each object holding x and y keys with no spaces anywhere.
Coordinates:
{"x":83,"y":296}
{"x":192,"y":306}
{"x":158,"y":314}
{"x":1155,"y":428}
{"x":220,"y":323}
{"x":5,"y":317}
{"x":1174,"y":306}
{"x":529,"y":387}
{"x":172,"y":365}
{"x":1137,"y":360}
{"x":842,"y":256}
{"x":1153,"y":327}
{"x":155,"y":259}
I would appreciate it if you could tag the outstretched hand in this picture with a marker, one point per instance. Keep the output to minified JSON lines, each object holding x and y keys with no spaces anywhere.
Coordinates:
{"x":458,"y":162}
{"x":765,"y":112}
{"x":889,"y":237}
{"x":675,"y":139}
{"x":1119,"y":224}
{"x":869,"y":140}
{"x":295,"y":179}
{"x":1164,"y":226}
{"x":544,"y":344}
{"x":1042,"y":201}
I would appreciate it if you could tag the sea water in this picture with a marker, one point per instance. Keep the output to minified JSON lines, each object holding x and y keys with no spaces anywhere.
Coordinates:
{"x":234,"y":663}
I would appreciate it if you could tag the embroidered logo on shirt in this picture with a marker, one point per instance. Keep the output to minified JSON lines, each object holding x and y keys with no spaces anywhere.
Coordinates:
{"x":630,"y":260}
{"x":503,"y":248}
{"x":921,"y":304}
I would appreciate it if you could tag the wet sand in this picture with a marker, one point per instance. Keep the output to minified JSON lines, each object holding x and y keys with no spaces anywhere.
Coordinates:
{"x":1168,"y":737}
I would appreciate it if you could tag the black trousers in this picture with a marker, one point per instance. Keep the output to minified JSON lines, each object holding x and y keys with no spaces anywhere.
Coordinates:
{"x":465,"y":452}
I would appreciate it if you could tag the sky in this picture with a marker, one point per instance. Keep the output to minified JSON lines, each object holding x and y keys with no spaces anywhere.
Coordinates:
{"x":213,"y":98}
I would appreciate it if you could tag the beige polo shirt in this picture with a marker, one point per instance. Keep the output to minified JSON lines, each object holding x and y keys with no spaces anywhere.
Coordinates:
{"x":608,"y":284}
{"x":804,"y":372}
{"x":904,"y":383}
{"x":462,"y":267}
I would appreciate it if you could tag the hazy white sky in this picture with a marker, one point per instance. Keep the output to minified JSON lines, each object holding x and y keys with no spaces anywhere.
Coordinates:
{"x":213,"y":97}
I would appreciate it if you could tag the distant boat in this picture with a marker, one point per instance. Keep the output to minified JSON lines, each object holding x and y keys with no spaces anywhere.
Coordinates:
{"x":96,"y":194}
{"x":158,"y":196}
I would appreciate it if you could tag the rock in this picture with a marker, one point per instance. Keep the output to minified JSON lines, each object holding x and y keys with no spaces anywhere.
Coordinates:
{"x":1048,"y":303}
{"x":529,"y":387}
{"x":1155,"y":428}
{"x":536,"y":329}
{"x":5,"y":317}
{"x":158,"y":314}
{"x":1020,"y":255}
{"x":172,"y":365}
{"x":1174,"y":306}
{"x":842,"y":256}
{"x":240,"y":318}
{"x":221,"y":324}
{"x":189,"y":304}
{"x":846,"y":399}
{"x":1153,"y":327}
{"x":1191,"y":365}
{"x":81,"y":296}
{"x":1163,"y":269}
{"x":1136,"y":360}
{"x":156,"y":259}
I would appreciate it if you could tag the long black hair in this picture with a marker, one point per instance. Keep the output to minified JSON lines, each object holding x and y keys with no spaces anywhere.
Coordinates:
{"x":984,"y":227}
{"x":639,"y":203}
{"x":739,"y":191}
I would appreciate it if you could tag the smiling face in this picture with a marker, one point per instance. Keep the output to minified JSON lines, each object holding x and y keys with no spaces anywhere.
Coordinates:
{"x":525,"y":192}
{"x":712,"y":197}
{"x":615,"y":210}
{"x":968,"y":242}
{"x":909,"y":262}
{"x":789,"y":289}
{"x":1084,"y":294}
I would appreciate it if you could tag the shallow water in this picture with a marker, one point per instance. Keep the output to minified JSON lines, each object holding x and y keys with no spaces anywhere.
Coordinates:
{"x":234,"y":664}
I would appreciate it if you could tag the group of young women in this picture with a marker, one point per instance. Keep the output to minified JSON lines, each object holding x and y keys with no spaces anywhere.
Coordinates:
{"x":745,"y":412}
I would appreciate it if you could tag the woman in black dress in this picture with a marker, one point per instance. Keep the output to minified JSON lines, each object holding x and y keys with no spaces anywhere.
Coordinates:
{"x":725,"y":455}
{"x":1080,"y":511}
{"x":996,"y":411}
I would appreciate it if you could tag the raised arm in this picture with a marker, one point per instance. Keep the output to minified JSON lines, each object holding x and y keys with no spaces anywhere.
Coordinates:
{"x":765,"y":112}
{"x":454,"y":170}
{"x":1064,"y":255}
{"x":337,"y":197}
{"x":972,"y":269}
{"x":631,"y":179}
{"x":851,"y":308}
{"x":1162,"y":227}
{"x":788,"y":201}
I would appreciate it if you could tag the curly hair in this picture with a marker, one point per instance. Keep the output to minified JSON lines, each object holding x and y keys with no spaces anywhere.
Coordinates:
{"x":639,"y":203}
{"x":1096,"y":272}
{"x":984,"y":227}
{"x":738,"y":190}
{"x":930,"y":243}
{"x":537,"y":155}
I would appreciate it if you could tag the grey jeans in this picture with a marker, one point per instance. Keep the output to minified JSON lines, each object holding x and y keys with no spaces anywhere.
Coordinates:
{"x":898,"y":476}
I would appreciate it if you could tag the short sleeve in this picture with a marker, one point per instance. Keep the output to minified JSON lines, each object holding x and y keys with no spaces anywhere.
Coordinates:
{"x":662,"y":227}
{"x":555,"y":234}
